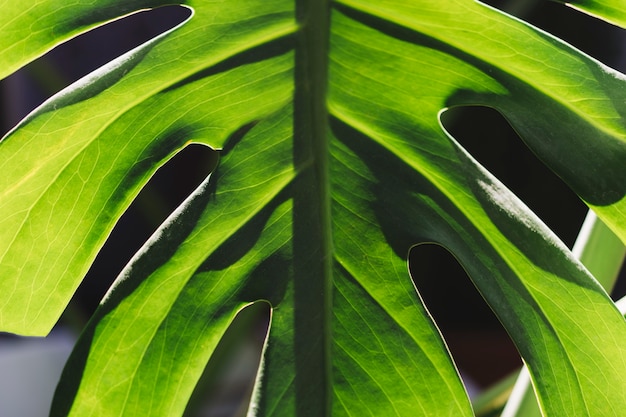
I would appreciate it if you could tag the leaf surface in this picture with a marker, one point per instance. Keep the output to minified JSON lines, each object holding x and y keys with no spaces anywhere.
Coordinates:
{"x":609,"y":10}
{"x":333,"y":165}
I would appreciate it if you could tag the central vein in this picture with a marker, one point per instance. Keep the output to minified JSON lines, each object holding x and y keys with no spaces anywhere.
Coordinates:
{"x":312,"y":223}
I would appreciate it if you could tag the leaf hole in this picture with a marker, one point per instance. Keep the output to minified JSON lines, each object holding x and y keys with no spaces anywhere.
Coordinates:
{"x":489,"y":138}
{"x":166,"y":190}
{"x":226,"y":386}
{"x":27,"y":88}
{"x":480,"y":346}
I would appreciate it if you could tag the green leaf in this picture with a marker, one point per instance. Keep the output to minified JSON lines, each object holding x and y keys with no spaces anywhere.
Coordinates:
{"x":609,"y":10}
{"x":333,"y":165}
{"x":602,"y":253}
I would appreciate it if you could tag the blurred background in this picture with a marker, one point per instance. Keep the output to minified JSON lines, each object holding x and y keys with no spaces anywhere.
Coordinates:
{"x":479,"y":344}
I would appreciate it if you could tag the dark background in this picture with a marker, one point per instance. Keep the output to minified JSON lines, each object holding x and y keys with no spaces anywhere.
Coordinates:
{"x":479,"y":344}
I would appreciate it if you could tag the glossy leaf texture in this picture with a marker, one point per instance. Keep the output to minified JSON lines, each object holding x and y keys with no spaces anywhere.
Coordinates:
{"x":333,"y":165}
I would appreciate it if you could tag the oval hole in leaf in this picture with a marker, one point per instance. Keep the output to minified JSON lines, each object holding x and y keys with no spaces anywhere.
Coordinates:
{"x":25,"y":89}
{"x":165,"y":191}
{"x":489,"y":138}
{"x":227,"y":383}
{"x":479,"y":345}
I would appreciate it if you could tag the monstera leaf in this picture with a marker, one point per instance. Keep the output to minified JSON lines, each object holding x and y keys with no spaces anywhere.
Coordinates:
{"x":333,"y":164}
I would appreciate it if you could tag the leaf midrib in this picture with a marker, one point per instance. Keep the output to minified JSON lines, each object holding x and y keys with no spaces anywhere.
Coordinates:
{"x":312,"y":234}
